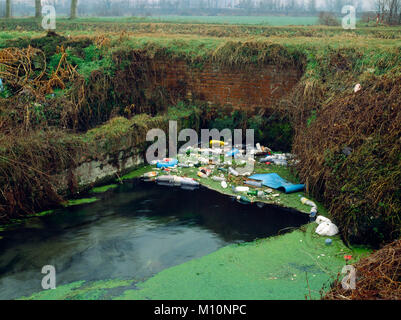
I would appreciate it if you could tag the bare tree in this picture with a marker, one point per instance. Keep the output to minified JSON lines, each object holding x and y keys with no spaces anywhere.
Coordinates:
{"x":389,"y":10}
{"x":73,"y":12}
{"x":38,"y":8}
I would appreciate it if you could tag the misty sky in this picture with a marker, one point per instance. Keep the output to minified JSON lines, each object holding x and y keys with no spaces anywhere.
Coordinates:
{"x":367,"y":4}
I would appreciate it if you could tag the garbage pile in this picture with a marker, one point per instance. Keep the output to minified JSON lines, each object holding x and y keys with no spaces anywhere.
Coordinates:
{"x":231,"y":168}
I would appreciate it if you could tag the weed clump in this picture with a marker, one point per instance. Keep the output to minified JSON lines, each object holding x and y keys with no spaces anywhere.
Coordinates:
{"x":378,"y":277}
{"x":350,"y":157}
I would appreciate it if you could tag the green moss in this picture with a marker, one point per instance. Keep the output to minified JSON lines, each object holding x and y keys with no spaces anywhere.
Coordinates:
{"x":137,"y":172}
{"x":82,"y":290}
{"x":275,"y":268}
{"x":41,"y":214}
{"x":103,"y":188}
{"x":76,"y":202}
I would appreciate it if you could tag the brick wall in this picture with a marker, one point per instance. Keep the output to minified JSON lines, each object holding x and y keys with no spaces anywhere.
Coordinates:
{"x":255,"y":87}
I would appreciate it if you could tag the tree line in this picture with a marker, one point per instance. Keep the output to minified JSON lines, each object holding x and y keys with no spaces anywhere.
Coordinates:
{"x":38,"y":9}
{"x":388,"y":11}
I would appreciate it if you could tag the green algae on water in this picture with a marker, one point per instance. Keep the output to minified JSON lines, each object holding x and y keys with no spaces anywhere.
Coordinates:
{"x":293,"y":266}
{"x":41,"y":214}
{"x":82,"y":290}
{"x":76,"y":202}
{"x":103,"y":189}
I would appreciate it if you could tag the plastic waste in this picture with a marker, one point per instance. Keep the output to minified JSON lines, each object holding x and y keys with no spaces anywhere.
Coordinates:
{"x":183,"y":165}
{"x":166,"y":178}
{"x":177,"y":181}
{"x":217,"y":143}
{"x":313,"y":210}
{"x":240,"y":189}
{"x":321,"y":219}
{"x":224,"y":185}
{"x":357,"y":88}
{"x":232,"y":153}
{"x":233,"y":172}
{"x":325,"y":227}
{"x":150,"y":174}
{"x":328,"y":242}
{"x":243,"y":199}
{"x":214,"y":178}
{"x":166,"y":163}
{"x":256,"y":193}
{"x":257,"y":184}
{"x":1,"y":85}
{"x":202,"y":175}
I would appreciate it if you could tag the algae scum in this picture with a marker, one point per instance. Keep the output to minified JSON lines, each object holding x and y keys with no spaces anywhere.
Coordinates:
{"x":133,"y":232}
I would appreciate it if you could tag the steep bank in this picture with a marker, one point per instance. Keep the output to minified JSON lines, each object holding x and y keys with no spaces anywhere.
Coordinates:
{"x":116,"y":76}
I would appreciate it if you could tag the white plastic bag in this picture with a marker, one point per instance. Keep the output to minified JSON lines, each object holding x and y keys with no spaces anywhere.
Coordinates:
{"x":321,"y":219}
{"x":327,"y":229}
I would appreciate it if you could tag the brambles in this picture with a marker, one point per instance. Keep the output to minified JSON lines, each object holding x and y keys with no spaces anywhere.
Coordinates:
{"x":378,"y":277}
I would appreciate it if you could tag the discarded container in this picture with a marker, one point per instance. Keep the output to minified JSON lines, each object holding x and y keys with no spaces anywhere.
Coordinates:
{"x":169,"y":180}
{"x":216,"y":143}
{"x":150,"y":174}
{"x":328,"y":242}
{"x":240,"y":189}
{"x":224,"y":185}
{"x":256,"y":193}
{"x":214,"y":178}
{"x":167,"y":163}
{"x":243,"y":199}
{"x":165,"y":178}
{"x":313,"y":210}
{"x":233,"y":172}
{"x":257,"y":184}
{"x":232,"y":153}
{"x":202,"y":175}
{"x":183,"y":165}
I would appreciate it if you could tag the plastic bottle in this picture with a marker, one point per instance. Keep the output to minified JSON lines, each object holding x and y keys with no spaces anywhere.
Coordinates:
{"x":243,"y":199}
{"x":252,"y":193}
{"x":233,"y":172}
{"x":240,"y":189}
{"x":257,"y":184}
{"x":201,"y":174}
{"x":220,"y":179}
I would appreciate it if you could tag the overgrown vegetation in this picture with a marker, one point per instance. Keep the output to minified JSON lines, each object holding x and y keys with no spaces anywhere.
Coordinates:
{"x":378,"y":277}
{"x":107,"y":76}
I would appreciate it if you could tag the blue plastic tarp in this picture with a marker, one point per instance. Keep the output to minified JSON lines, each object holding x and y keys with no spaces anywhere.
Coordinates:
{"x":273,"y":180}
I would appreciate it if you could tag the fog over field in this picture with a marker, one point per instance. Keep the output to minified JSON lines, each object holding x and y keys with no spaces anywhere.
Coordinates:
{"x":189,"y":7}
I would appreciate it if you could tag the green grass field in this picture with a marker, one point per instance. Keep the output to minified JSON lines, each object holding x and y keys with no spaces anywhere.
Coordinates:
{"x":252,"y":20}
